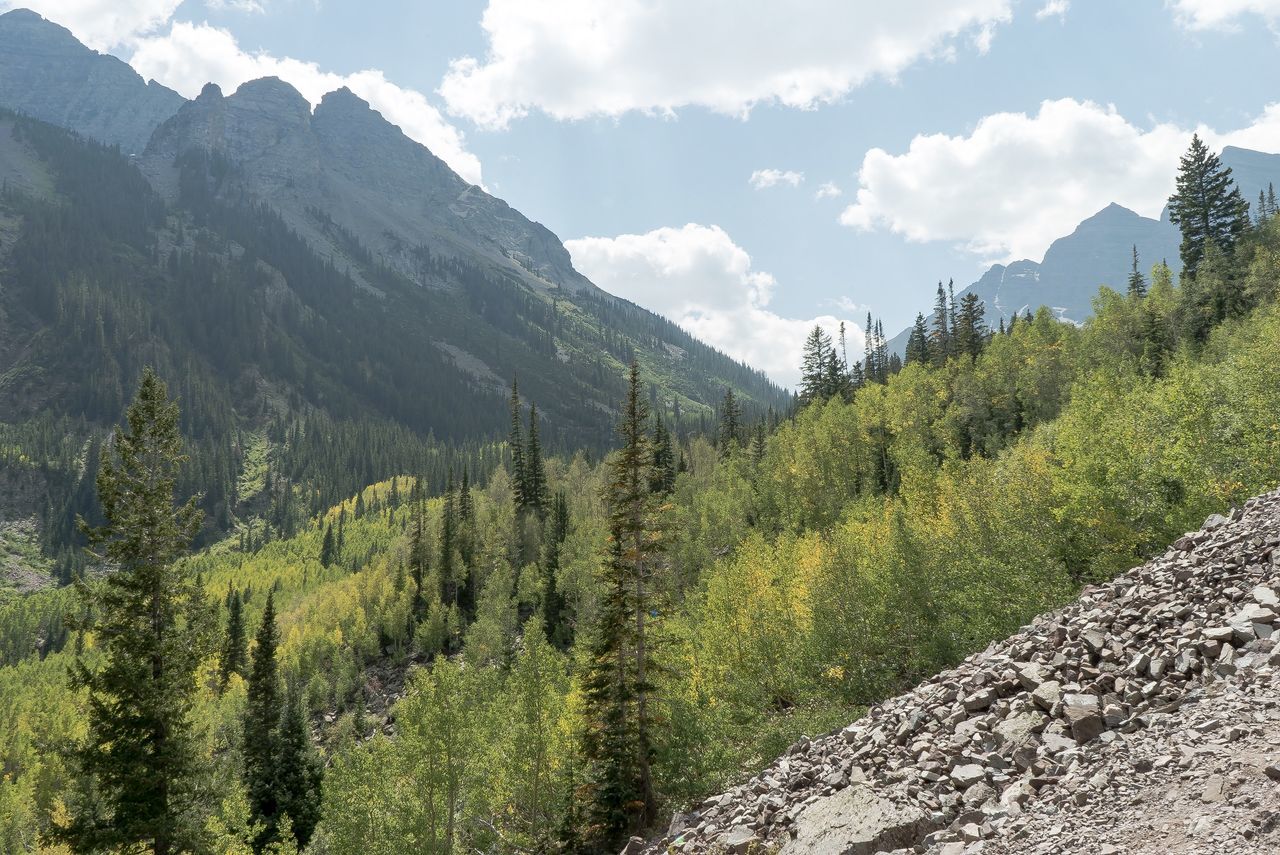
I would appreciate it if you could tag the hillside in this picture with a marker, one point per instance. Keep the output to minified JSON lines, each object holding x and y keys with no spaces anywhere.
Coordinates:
{"x":329,"y":297}
{"x":1140,"y":719}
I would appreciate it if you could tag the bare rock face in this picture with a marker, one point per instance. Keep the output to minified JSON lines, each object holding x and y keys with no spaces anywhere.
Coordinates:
{"x":1143,"y":718}
{"x":346,"y":160}
{"x":49,"y":75}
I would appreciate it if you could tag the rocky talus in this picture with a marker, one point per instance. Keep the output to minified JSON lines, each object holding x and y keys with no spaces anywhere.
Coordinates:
{"x":1144,"y":717}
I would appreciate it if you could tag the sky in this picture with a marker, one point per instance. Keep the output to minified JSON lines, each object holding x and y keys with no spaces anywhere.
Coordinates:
{"x":751,"y":168}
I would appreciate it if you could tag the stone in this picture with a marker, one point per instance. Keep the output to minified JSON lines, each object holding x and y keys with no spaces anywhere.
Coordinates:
{"x":1017,"y":730}
{"x":979,"y":700}
{"x":1084,"y":715}
{"x":1047,"y":695}
{"x":967,"y":775}
{"x":856,"y":821}
{"x":1215,"y":789}
{"x":741,"y":840}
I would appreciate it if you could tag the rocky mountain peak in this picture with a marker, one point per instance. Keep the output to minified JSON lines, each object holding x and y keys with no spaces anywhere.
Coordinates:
{"x":49,"y":75}
{"x":1142,"y":718}
{"x":274,"y":100}
{"x":210,"y":92}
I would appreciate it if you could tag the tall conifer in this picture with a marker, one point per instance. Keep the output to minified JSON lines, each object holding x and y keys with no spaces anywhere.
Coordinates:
{"x":152,"y":629}
{"x":1206,"y":205}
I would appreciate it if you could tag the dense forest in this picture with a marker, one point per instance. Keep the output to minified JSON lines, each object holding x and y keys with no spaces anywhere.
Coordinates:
{"x":551,"y":651}
{"x":304,"y":374}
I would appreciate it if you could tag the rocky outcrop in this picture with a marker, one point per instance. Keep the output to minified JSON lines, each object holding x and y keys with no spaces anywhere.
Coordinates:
{"x":367,"y":177}
{"x":1144,"y":717}
{"x":49,"y":75}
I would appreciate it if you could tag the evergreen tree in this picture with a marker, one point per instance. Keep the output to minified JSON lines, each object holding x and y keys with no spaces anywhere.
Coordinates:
{"x":971,"y":328}
{"x":327,"y":554}
{"x":515,"y":441}
{"x":836,"y":380}
{"x":419,"y":552}
{"x":449,"y":546}
{"x":298,"y":771}
{"x":1137,"y":282}
{"x":555,"y":609}
{"x":871,"y":352}
{"x":152,"y":630}
{"x":730,"y":431}
{"x":814,"y":366}
{"x":664,"y":460}
{"x":535,"y":487}
{"x":1206,"y":205}
{"x":233,"y":641}
{"x":918,"y":342}
{"x":618,"y":742}
{"x":951,"y":313}
{"x":263,"y":709}
{"x":940,"y":342}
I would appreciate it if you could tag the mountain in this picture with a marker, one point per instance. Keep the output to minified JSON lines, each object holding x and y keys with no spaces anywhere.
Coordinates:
{"x":327,"y":297}
{"x":1099,"y":252}
{"x":47,"y":74}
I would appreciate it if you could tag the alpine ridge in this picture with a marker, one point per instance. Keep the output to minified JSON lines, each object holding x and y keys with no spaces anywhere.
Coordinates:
{"x":1143,"y":718}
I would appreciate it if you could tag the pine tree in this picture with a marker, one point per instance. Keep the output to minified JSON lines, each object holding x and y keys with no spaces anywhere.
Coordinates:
{"x":449,"y":545}
{"x":664,"y":460}
{"x":298,"y":771}
{"x":233,"y":641}
{"x":1137,"y":282}
{"x":515,"y":441}
{"x":535,"y":477}
{"x":730,"y":432}
{"x":153,"y":628}
{"x":327,"y":554}
{"x":918,"y":342}
{"x":1206,"y":205}
{"x":940,"y":341}
{"x":263,"y":708}
{"x":971,"y":328}
{"x":618,"y":742}
{"x":419,"y":552}
{"x":554,"y":606}
{"x":814,"y":366}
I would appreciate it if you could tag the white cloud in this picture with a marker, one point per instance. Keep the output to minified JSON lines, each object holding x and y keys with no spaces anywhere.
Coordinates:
{"x":102,"y":24}
{"x":577,"y":58}
{"x":1222,"y":14}
{"x":1053,"y":9}
{"x":1017,"y":182}
{"x":190,"y":55}
{"x":828,"y":190}
{"x":698,"y":277}
{"x":762,"y":179}
{"x":235,"y":5}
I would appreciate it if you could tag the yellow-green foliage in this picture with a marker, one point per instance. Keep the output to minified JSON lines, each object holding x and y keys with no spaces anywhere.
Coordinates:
{"x":874,"y":542}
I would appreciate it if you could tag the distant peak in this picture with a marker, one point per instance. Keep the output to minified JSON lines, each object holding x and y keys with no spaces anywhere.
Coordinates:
{"x":273,"y":96}
{"x":344,"y":100}
{"x":210,"y":92}
{"x":1113,"y":212}
{"x":21,"y":15}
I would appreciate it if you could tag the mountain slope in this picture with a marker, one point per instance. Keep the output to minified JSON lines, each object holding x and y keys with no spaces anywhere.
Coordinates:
{"x":49,"y":75}
{"x":1055,"y":740}
{"x":312,"y":282}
